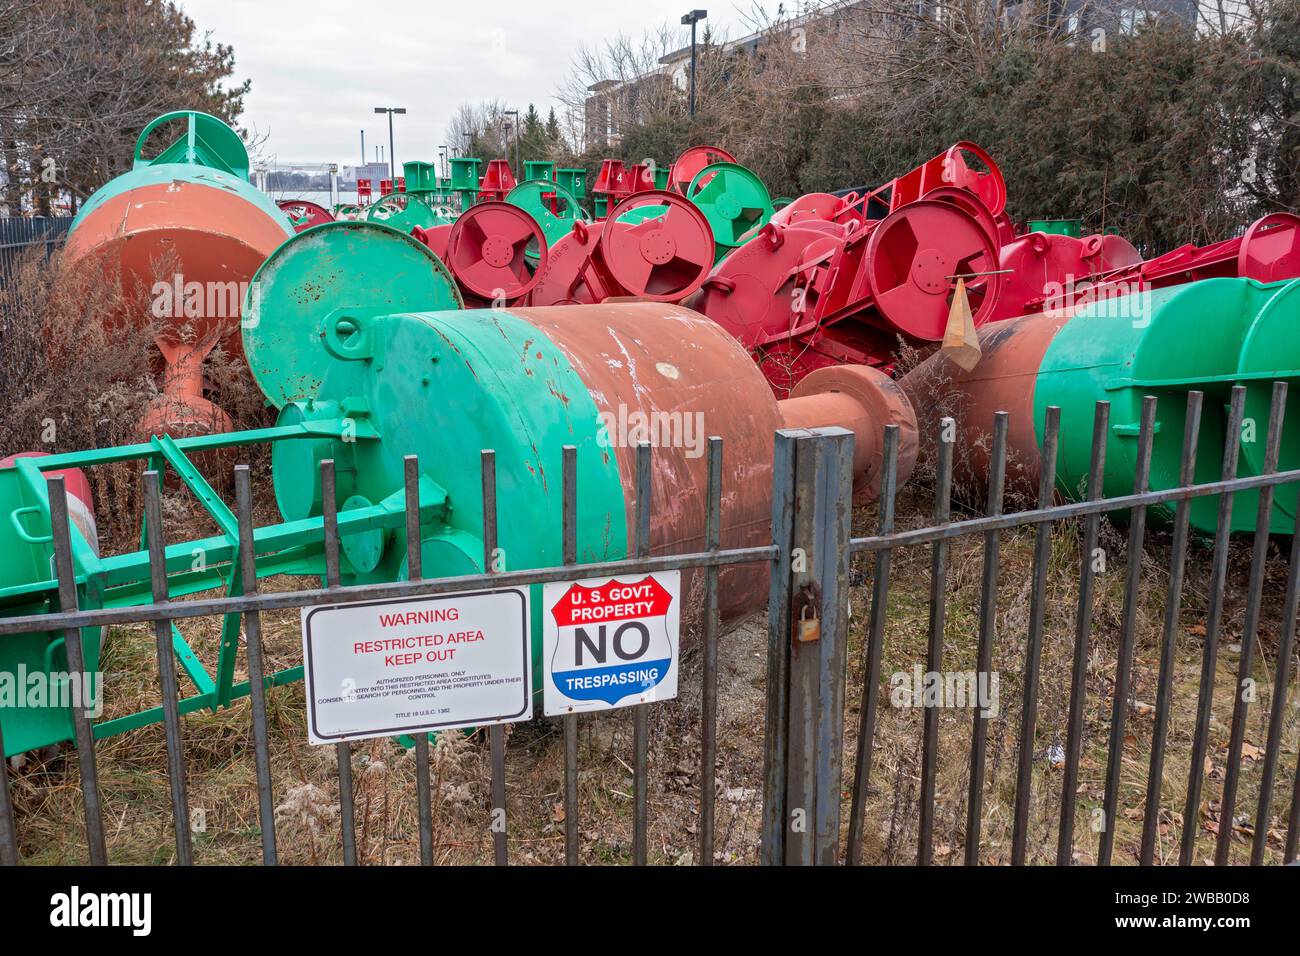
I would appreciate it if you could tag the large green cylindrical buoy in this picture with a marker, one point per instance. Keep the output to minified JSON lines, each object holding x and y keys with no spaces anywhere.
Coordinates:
{"x":734,"y":200}
{"x":1207,"y":336}
{"x":526,"y":382}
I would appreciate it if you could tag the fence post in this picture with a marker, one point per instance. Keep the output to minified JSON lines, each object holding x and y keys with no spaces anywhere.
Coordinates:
{"x":772,"y":842}
{"x":808,"y":637}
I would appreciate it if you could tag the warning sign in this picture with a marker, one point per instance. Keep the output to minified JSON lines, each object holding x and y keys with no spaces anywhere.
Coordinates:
{"x":395,"y":667}
{"x":610,"y":642}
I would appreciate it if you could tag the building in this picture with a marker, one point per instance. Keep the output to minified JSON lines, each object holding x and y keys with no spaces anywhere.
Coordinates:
{"x":610,"y":101}
{"x":373,"y":171}
{"x":1085,"y":18}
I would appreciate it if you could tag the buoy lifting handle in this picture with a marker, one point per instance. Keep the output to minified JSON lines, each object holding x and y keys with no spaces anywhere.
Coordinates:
{"x":207,"y":142}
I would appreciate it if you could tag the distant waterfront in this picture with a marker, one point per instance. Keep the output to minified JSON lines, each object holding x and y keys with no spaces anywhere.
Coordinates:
{"x":320,"y":197}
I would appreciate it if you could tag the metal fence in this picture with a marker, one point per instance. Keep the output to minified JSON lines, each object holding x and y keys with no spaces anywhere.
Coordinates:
{"x":940,"y":537}
{"x":17,"y":234}
{"x":810,"y":556}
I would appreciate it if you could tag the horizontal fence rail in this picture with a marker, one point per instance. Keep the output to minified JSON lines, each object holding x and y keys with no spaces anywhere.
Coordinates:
{"x":807,"y":631}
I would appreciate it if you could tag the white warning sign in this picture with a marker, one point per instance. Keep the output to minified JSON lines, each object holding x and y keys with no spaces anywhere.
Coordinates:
{"x":397,"y":667}
{"x":610,"y":642}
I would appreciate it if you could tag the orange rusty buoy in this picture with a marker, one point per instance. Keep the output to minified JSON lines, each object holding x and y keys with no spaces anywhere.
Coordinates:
{"x":189,"y":212}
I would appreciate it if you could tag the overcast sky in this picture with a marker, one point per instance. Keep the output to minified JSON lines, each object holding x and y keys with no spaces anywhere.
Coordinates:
{"x":320,"y":67}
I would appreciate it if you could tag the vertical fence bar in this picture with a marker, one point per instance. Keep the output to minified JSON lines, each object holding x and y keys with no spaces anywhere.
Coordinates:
{"x":801,"y":743}
{"x":1214,"y":619}
{"x":1277,"y":712}
{"x":817,"y":632}
{"x":1169,"y":640}
{"x":874,"y":647}
{"x":8,"y":830}
{"x":77,"y":665}
{"x":1082,"y":631}
{"x":256,"y":670}
{"x":641,"y":712}
{"x":1128,"y":629}
{"x":570,"y":721}
{"x":342,"y":749}
{"x":1293,"y":820}
{"x":709,"y":692}
{"x":832,"y":559}
{"x":934,"y":651}
{"x":776,"y":723}
{"x":1250,"y":630}
{"x":497,"y":732}
{"x":988,"y":628}
{"x":162,"y":632}
{"x":1034,"y":642}
{"x":415,"y":571}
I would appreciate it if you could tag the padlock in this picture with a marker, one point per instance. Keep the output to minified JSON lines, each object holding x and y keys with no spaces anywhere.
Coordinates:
{"x":810,"y":628}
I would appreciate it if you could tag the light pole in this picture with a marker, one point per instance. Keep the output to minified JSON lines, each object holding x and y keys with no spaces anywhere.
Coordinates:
{"x":690,"y":19}
{"x":442,"y":156}
{"x":515,"y":114}
{"x":392,"y":156}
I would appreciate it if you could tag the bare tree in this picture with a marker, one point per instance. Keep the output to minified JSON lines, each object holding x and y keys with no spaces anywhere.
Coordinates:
{"x":479,"y":129}
{"x":615,"y":83}
{"x":627,"y":82}
{"x":79,"y":80}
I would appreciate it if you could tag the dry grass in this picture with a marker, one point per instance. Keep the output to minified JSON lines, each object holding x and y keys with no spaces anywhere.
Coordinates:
{"x":79,"y":368}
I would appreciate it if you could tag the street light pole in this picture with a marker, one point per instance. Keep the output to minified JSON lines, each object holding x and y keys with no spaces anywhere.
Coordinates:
{"x":690,"y":19}
{"x":392,"y":156}
{"x":515,"y":114}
